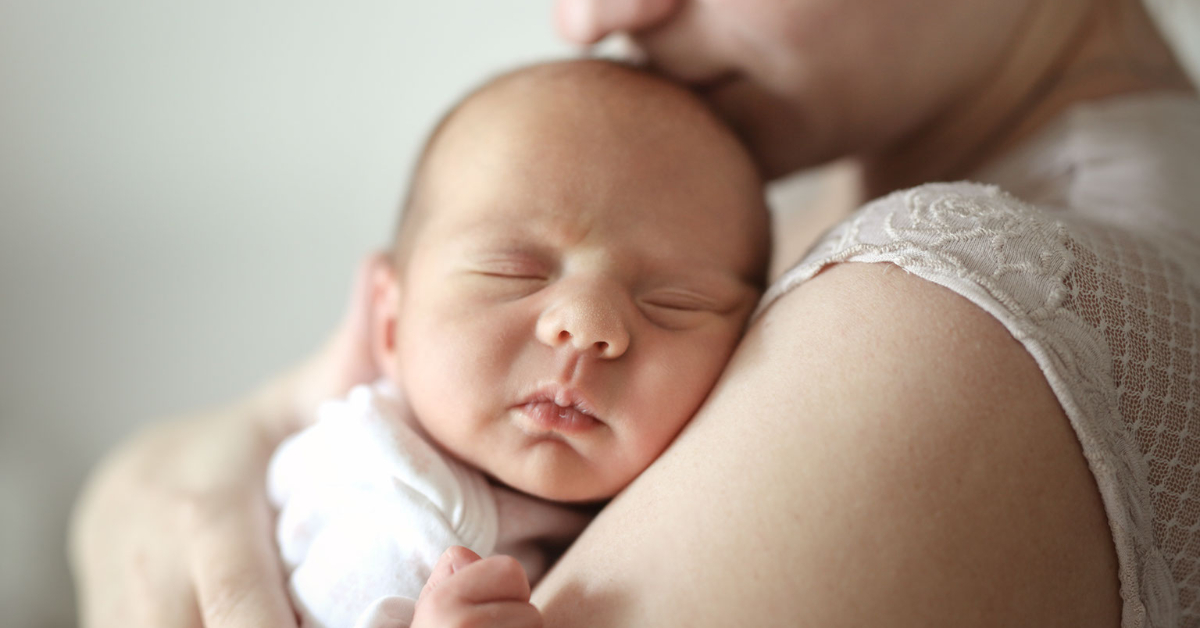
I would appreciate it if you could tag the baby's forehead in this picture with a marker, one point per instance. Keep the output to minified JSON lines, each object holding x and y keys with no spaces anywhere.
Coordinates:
{"x":574,"y":108}
{"x":592,"y":92}
{"x":591,"y":139}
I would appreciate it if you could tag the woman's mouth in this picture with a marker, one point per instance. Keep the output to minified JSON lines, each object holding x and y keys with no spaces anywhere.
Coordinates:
{"x":709,"y":86}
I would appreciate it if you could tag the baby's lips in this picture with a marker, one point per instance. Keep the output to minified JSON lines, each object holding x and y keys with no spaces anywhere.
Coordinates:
{"x":547,"y":416}
{"x":563,"y":396}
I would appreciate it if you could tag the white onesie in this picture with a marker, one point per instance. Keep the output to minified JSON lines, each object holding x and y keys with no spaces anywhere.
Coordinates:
{"x":367,"y":504}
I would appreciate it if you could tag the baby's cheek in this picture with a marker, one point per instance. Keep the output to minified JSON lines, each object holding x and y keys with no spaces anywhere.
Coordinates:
{"x":457,"y":366}
{"x":435,"y":367}
{"x":668,"y":400}
{"x":675,"y":390}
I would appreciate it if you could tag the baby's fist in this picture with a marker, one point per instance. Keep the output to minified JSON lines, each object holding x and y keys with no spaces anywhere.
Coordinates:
{"x":467,"y":591}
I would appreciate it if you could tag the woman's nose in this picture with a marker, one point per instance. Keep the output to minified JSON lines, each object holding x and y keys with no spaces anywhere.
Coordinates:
{"x":587,"y":322}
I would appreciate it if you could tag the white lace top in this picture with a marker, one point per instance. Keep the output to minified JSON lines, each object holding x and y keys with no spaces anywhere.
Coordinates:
{"x":1090,"y":257}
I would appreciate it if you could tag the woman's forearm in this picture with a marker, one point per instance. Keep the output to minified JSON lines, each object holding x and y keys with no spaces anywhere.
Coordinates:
{"x":173,"y":526}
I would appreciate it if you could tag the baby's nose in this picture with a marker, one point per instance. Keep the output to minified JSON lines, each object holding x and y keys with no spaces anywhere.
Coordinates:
{"x":588,"y":323}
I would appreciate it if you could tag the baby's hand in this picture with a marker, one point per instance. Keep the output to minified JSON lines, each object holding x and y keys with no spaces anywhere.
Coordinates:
{"x":468,"y":591}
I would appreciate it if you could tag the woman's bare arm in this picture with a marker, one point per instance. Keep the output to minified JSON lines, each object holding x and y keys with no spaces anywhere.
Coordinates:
{"x":879,"y":452}
{"x":174,"y":528}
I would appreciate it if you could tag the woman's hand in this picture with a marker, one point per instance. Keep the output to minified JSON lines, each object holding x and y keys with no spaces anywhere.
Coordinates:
{"x":173,"y":528}
{"x":466,"y":590}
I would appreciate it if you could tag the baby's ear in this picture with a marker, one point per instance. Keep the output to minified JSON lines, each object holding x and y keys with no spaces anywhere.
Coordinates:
{"x":385,"y":312}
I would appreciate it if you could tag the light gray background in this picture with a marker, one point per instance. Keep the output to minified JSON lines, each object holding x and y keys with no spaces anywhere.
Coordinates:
{"x":184,"y":191}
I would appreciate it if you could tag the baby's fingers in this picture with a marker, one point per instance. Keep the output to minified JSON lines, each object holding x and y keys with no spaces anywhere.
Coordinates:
{"x":494,"y":579}
{"x":465,"y":590}
{"x":237,"y":577}
{"x":503,"y":615}
{"x":452,"y":560}
{"x":457,"y":581}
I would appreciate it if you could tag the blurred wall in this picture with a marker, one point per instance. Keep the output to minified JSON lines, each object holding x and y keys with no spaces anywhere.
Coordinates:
{"x":185,"y":188}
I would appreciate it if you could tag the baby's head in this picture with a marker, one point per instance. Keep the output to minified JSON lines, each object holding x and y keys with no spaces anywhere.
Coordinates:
{"x":582,"y":247}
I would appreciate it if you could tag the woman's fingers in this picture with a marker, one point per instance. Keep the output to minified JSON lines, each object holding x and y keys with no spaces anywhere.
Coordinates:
{"x":346,"y":359}
{"x":350,"y":348}
{"x":588,"y":21}
{"x":238,"y":580}
{"x":371,"y":272}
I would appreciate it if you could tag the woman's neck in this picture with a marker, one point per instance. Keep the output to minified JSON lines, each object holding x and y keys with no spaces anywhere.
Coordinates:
{"x":1069,"y":52}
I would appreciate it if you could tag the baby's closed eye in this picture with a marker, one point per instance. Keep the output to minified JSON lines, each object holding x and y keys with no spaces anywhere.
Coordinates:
{"x":678,"y":309}
{"x":512,"y":267}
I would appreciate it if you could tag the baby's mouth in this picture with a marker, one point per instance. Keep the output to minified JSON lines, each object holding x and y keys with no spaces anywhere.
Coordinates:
{"x":544,"y":416}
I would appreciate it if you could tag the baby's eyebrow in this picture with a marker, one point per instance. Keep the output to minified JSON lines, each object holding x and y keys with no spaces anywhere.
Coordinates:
{"x":496,"y":229}
{"x":491,"y":242}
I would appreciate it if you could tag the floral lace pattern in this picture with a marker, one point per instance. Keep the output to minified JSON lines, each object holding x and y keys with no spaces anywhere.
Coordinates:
{"x":1113,"y":321}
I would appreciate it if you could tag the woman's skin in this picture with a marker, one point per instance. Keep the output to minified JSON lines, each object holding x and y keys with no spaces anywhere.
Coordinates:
{"x":174,"y":530}
{"x":793,"y":498}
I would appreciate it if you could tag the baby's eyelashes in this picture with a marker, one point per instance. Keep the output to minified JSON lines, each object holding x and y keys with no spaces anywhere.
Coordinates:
{"x":680,"y":302}
{"x":514,"y":268}
{"x":502,"y":282}
{"x":677,"y":310}
{"x":513,"y":275}
{"x":509,"y":277}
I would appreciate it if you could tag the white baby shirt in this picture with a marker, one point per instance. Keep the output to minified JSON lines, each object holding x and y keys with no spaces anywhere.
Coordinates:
{"x":367,"y":504}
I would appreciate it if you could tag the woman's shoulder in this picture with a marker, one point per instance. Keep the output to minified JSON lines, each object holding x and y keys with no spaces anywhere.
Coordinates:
{"x":875,"y":413}
{"x":1109,"y":312}
{"x":969,"y":237}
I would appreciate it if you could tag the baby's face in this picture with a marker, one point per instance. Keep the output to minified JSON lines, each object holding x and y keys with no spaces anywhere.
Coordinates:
{"x":579,"y":283}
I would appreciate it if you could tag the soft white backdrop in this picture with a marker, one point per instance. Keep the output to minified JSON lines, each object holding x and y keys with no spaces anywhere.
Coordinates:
{"x":185,"y":188}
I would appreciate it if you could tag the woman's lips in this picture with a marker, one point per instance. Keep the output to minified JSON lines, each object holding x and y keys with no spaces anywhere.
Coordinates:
{"x":547,"y":416}
{"x":706,"y":88}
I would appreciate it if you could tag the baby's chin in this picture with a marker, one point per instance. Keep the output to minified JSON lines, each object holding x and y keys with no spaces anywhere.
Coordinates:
{"x":561,"y":485}
{"x":562,"y":493}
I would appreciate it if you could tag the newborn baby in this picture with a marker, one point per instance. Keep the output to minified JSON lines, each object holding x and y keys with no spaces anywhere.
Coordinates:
{"x":578,"y":256}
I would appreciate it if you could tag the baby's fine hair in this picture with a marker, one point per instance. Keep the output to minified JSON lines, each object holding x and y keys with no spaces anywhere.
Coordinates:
{"x":613,"y":77}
